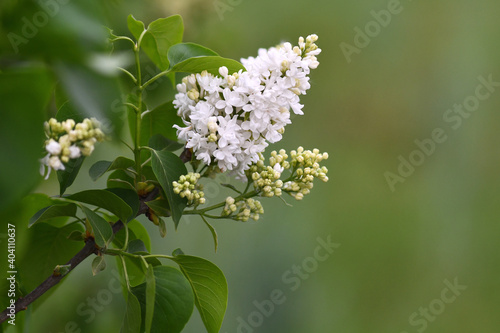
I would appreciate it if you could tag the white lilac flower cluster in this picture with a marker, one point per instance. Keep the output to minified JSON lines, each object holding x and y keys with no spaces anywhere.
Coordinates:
{"x":246,"y":209}
{"x":230,"y":119}
{"x":187,"y":187}
{"x":69,"y":140}
{"x":304,"y":166}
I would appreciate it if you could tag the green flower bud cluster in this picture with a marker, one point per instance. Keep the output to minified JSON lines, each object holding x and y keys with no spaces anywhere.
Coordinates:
{"x":242,"y":210}
{"x":69,"y":140}
{"x":305,"y":164}
{"x":266,"y":179}
{"x":187,"y":187}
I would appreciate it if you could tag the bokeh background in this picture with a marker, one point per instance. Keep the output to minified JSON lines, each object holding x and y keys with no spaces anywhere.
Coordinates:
{"x":398,"y":245}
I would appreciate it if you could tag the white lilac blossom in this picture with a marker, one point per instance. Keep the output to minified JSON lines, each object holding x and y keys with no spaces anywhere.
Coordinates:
{"x":231,"y":119}
{"x":68,"y":140}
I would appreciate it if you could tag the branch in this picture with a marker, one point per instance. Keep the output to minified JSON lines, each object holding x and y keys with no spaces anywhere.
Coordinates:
{"x":87,"y":250}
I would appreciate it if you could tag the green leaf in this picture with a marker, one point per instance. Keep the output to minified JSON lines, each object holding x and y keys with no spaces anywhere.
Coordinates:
{"x":194,"y":58}
{"x":104,"y":199}
{"x":212,"y":230}
{"x":210,"y":64}
{"x":140,"y":232}
{"x":24,"y":94}
{"x":77,"y":236}
{"x":67,"y":176}
{"x":168,"y":168}
{"x":101,"y":167}
{"x":98,"y":265}
{"x":163,"y":228}
{"x":120,"y":179}
{"x":150,"y":298}
{"x":136,"y":27}
{"x":160,"y":207}
{"x":160,"y":36}
{"x":129,"y":196}
{"x":49,"y":246}
{"x":185,"y":51}
{"x":174,"y":301}
{"x":159,"y":142}
{"x":209,"y":287}
{"x":136,"y":245}
{"x":157,"y":121}
{"x":50,"y":212}
{"x":132,"y":320}
{"x":102,"y":230}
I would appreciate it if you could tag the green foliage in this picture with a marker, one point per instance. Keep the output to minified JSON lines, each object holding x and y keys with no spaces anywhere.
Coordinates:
{"x":168,"y":168}
{"x":157,"y":121}
{"x":194,"y":58}
{"x":24,"y":94}
{"x":159,"y":142}
{"x":50,"y":212}
{"x":49,"y":246}
{"x":158,"y":37}
{"x":132,"y":321}
{"x":209,"y":288}
{"x":104,"y":199}
{"x":174,"y":300}
{"x":120,"y":179}
{"x":67,"y":176}
{"x":98,"y":265}
{"x":160,"y":207}
{"x":101,"y":167}
{"x":100,"y":227}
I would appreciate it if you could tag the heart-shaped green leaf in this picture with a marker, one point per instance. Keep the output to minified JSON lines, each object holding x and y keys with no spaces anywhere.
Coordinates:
{"x":161,"y":35}
{"x":209,"y":287}
{"x":174,"y":301}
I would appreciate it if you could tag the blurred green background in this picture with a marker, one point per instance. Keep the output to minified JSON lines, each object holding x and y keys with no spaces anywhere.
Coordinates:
{"x":398,"y":247}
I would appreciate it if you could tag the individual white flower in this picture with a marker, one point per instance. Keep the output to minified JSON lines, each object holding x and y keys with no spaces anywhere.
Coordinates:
{"x":53,"y":147}
{"x":55,"y":163}
{"x":74,"y":152}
